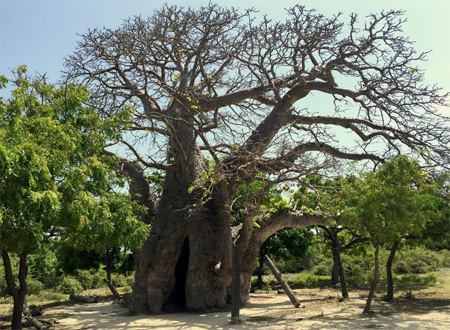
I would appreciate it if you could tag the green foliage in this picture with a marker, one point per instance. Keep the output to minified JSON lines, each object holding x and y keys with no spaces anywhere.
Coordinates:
{"x":91,"y":279}
{"x":43,"y":265}
{"x":420,"y":260}
{"x":69,"y":259}
{"x":69,"y":285}
{"x":292,"y":249}
{"x":408,"y":279}
{"x":397,"y":199}
{"x":308,"y":280}
{"x":34,"y":286}
{"x":53,"y":171}
{"x":56,"y":179}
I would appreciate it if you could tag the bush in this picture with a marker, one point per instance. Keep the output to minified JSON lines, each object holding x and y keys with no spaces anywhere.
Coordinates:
{"x":34,"y":286}
{"x":308,"y":280}
{"x":420,"y":260}
{"x":86,"y":278}
{"x":91,"y":278}
{"x":416,"y":279}
{"x":69,"y":285}
{"x":119,"y":280}
{"x":323,"y":269}
{"x":130,"y":280}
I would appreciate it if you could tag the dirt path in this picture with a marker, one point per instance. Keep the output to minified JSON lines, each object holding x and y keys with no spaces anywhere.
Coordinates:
{"x":320,"y":309}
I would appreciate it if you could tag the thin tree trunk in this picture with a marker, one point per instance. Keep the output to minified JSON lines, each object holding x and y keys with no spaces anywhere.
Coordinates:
{"x":108,"y":281}
{"x":18,"y":293}
{"x":341,"y":273}
{"x":390,"y":281}
{"x":375,"y":278}
{"x":262,"y":252}
{"x":236,"y":286}
{"x":282,"y":282}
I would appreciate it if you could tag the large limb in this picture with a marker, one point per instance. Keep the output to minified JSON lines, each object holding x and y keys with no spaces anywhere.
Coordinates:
{"x":268,"y":227}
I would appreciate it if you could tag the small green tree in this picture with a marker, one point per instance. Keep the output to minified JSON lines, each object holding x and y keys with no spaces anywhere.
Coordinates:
{"x":396,"y":200}
{"x":55,"y":179}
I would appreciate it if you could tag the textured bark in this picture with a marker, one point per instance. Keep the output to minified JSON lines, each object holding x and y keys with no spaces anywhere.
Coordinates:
{"x":390,"y":281}
{"x":186,"y":262}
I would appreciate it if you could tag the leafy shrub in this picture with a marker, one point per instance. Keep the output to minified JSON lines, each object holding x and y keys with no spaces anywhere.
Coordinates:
{"x":86,"y":278}
{"x":420,"y":260}
{"x":416,"y":279}
{"x":323,"y":269}
{"x":34,"y":286}
{"x":69,"y":285}
{"x":119,"y":280}
{"x":308,"y":280}
{"x":91,"y":278}
{"x":130,"y":280}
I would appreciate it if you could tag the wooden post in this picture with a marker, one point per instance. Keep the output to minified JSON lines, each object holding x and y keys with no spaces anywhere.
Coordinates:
{"x":236,"y":285}
{"x":282,"y":282}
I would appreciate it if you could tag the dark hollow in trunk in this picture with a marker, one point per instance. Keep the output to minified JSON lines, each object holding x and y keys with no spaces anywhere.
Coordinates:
{"x":177,"y":299}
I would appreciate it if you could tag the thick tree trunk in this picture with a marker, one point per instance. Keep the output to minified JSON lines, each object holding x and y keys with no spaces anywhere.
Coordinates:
{"x":186,"y":262}
{"x":18,"y":293}
{"x":390,"y":281}
{"x":374,"y":280}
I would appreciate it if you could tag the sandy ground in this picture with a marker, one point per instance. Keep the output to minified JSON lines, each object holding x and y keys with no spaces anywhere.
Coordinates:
{"x":320,"y":309}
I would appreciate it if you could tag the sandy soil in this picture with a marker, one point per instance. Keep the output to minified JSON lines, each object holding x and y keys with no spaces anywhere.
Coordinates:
{"x":320,"y":309}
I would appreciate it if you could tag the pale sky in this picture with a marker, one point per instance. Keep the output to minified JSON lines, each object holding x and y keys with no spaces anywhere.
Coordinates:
{"x":40,"y":33}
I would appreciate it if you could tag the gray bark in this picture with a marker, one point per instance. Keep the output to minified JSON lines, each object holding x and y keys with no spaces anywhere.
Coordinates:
{"x":282,"y":281}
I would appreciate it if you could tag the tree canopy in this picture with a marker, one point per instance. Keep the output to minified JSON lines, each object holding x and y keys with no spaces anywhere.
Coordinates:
{"x":217,"y":97}
{"x":56,"y":182}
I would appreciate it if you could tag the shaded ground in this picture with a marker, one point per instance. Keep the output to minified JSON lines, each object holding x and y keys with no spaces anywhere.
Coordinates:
{"x":320,"y":309}
{"x":423,"y":307}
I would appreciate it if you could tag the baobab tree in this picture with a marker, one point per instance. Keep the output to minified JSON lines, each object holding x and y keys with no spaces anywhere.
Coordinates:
{"x":218,"y":98}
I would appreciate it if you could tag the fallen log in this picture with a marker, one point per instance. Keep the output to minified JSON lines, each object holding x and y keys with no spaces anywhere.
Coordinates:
{"x":281,"y":280}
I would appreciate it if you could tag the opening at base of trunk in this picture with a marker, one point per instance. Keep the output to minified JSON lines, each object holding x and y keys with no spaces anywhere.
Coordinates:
{"x":176,"y":302}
